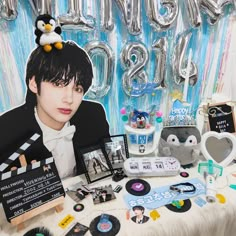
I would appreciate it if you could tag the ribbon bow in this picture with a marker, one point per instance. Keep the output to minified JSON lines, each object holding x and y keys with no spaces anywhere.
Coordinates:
{"x":50,"y":140}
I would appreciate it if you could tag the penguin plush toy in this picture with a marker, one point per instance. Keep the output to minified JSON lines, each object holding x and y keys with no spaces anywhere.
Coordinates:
{"x":48,"y":34}
{"x":183,"y":143}
{"x":139,"y":119}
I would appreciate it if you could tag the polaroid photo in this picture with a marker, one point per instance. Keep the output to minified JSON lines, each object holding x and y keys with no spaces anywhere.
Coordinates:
{"x":78,"y":191}
{"x":96,"y":164}
{"x":103,"y":194}
{"x":116,"y":148}
{"x":77,"y":230}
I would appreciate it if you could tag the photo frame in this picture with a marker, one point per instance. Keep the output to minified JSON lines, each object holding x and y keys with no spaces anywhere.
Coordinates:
{"x":116,"y":147}
{"x":96,"y":163}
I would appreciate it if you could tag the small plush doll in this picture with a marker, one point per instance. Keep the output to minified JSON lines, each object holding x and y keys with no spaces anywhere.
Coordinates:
{"x":181,"y":143}
{"x":48,"y":33}
{"x":139,"y":120}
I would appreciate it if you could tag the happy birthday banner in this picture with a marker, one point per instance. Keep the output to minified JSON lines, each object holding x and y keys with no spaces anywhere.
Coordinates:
{"x":143,"y":51}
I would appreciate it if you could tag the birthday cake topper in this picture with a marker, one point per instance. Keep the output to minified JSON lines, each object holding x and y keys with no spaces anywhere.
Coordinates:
{"x":180,"y":115}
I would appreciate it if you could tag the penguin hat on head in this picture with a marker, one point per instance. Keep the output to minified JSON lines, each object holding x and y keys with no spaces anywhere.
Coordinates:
{"x":48,"y":33}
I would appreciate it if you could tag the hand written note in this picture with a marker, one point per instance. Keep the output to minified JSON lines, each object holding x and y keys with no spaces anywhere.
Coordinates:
{"x":221,"y":118}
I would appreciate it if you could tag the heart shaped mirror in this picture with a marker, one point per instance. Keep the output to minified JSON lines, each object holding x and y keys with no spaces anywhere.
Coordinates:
{"x":219,"y":147}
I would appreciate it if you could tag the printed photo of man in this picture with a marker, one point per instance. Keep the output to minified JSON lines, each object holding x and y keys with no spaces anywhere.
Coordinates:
{"x":139,"y":217}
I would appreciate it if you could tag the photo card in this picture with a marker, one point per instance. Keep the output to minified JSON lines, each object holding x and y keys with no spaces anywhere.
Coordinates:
{"x":116,"y":147}
{"x":78,"y":191}
{"x":103,"y":194}
{"x":77,"y":230}
{"x":96,"y":163}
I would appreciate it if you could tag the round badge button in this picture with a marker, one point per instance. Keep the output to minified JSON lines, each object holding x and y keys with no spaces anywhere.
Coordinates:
{"x":78,"y":207}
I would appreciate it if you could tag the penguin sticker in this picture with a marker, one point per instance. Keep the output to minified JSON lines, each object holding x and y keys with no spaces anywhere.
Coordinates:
{"x":141,"y":148}
{"x":48,"y":34}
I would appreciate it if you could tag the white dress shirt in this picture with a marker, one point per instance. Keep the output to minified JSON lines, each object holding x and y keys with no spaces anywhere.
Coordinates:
{"x":59,"y":143}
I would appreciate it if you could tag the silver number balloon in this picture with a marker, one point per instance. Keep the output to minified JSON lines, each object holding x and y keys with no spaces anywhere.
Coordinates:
{"x":214,"y":9}
{"x":40,"y":7}
{"x":75,"y":19}
{"x":194,"y":13}
{"x":134,"y":57}
{"x":179,"y":63}
{"x":160,"y":47}
{"x":158,"y":21}
{"x":131,"y":11}
{"x":98,"y":48}
{"x":107,"y":22}
{"x":8,"y":9}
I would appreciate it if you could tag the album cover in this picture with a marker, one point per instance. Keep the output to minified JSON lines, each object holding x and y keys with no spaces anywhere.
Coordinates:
{"x":116,"y":148}
{"x":103,"y":194}
{"x":77,"y":230}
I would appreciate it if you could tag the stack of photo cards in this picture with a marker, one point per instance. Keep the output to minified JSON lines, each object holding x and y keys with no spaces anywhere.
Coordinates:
{"x":77,"y":230}
{"x":78,"y":191}
{"x":103,"y":194}
{"x":100,"y":161}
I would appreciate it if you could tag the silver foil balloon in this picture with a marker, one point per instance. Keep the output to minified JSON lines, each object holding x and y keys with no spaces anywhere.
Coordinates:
{"x":134,"y":57}
{"x":131,"y":12}
{"x":179,"y":63}
{"x":75,"y":19}
{"x":8,"y":9}
{"x":107,"y":22}
{"x":158,"y":21}
{"x":212,"y":9}
{"x":40,"y":7}
{"x":227,"y":2}
{"x":98,"y":48}
{"x":215,"y":9}
{"x":160,"y":47}
{"x":194,"y":13}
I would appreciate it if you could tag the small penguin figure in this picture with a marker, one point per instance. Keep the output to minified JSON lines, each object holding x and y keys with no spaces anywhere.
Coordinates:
{"x":48,"y":33}
{"x":139,"y":119}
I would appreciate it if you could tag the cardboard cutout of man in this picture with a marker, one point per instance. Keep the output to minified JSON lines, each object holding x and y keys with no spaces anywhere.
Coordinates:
{"x":55,"y":109}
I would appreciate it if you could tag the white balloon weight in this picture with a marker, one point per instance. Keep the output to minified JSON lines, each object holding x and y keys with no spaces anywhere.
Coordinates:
{"x":225,"y":141}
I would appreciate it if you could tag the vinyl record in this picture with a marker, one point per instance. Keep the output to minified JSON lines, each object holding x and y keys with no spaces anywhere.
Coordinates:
{"x":184,"y":174}
{"x":38,"y":231}
{"x":78,"y":207}
{"x":110,"y":227}
{"x":138,"y":187}
{"x":185,"y":207}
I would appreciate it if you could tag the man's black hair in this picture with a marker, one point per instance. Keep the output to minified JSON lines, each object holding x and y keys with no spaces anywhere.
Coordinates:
{"x":104,"y":191}
{"x":59,"y":66}
{"x":141,"y":208}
